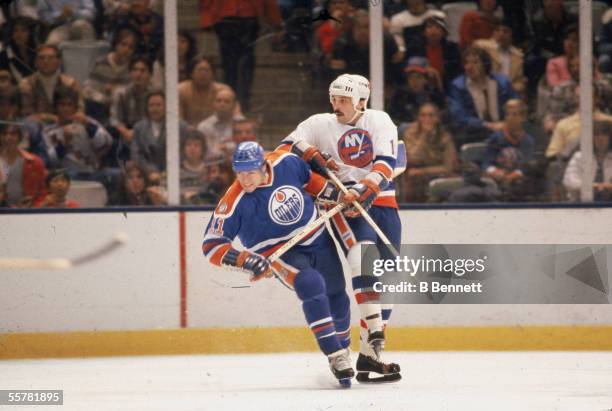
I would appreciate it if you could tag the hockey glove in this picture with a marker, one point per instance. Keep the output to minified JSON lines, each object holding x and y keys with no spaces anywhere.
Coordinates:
{"x":258,"y":265}
{"x":364,"y":192}
{"x":329,"y":194}
{"x":319,"y":162}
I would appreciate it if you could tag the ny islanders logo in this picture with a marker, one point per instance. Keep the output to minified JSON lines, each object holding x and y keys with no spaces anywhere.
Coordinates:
{"x":286,"y":205}
{"x":355,"y":148}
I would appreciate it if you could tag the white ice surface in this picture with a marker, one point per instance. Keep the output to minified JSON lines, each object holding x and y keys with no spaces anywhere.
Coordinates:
{"x":431,"y":381}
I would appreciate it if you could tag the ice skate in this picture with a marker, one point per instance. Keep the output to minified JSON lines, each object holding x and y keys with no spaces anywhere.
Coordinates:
{"x":340,"y":365}
{"x":366,"y":364}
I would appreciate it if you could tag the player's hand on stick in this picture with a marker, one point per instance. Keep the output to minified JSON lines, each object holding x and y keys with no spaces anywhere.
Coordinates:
{"x":330,"y":194}
{"x":364,"y":192}
{"x":319,"y":162}
{"x":258,"y":265}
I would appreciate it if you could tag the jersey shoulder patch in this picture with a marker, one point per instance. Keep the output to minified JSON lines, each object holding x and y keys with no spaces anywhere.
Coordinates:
{"x":230,"y":199}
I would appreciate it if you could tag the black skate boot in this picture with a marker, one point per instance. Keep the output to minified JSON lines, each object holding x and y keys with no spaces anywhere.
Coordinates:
{"x":340,"y":365}
{"x":365,"y":364}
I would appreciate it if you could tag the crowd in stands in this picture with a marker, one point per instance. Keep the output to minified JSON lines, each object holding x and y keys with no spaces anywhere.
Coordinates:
{"x":487,"y":108}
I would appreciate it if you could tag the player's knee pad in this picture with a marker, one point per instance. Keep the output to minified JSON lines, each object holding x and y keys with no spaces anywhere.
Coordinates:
{"x":354,"y":257}
{"x":308,"y":284}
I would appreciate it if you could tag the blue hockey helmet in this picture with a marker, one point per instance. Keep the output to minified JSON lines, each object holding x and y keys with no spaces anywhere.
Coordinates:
{"x":248,"y":156}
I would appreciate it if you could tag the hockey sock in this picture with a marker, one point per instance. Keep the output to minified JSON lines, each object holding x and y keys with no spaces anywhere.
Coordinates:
{"x":366,"y":297}
{"x":340,"y":307}
{"x":310,"y":288}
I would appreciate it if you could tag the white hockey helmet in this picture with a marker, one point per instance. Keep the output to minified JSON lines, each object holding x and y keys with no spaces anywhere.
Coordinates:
{"x":345,"y":85}
{"x":363,"y":87}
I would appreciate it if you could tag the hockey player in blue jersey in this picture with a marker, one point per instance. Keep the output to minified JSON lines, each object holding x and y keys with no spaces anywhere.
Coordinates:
{"x":268,"y":204}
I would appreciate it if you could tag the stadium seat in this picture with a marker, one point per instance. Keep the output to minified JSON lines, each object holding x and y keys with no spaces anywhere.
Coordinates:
{"x":78,"y":57}
{"x":88,"y":193}
{"x":473,"y":152}
{"x":454,"y":13}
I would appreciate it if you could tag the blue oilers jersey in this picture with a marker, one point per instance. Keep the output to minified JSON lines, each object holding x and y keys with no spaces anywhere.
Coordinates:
{"x":269,"y":216}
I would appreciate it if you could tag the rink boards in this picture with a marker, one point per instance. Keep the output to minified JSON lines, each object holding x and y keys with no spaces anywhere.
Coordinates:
{"x":157,"y":294}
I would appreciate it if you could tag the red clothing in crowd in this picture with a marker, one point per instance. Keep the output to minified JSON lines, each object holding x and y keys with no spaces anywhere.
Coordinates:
{"x":474,"y":26}
{"x":34,"y":174}
{"x":328,"y":33}
{"x":211,"y":11}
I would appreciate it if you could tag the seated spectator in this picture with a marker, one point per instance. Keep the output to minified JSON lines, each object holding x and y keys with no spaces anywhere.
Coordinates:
{"x":431,"y":153}
{"x":147,"y":24}
{"x":476,"y":99}
{"x":19,"y":53}
{"x":421,"y":86}
{"x":442,"y":54}
{"x":187,"y":50}
{"x":128,"y":104}
{"x":508,"y":150}
{"x":330,"y":30}
{"x":478,"y":24}
{"x":219,"y":177}
{"x":58,"y":184}
{"x":474,"y":190}
{"x":407,"y":25}
{"x":37,"y":90}
{"x":9,"y":105}
{"x":557,"y":67}
{"x":217,"y":129}
{"x":109,"y":73}
{"x":197,"y":95}
{"x":24,"y":173}
{"x":148,"y":147}
{"x":506,"y":59}
{"x":564,"y":142}
{"x":193,"y":167}
{"x":605,"y":43}
{"x":68,"y":19}
{"x":244,"y":130}
{"x":6,"y":81}
{"x":352,"y":51}
{"x":76,"y":142}
{"x":135,"y":189}
{"x":3,"y":202}
{"x":602,"y":166}
{"x":548,"y":25}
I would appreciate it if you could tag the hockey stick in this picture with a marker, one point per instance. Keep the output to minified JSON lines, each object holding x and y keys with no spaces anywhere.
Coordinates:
{"x":63,"y":263}
{"x":364,"y":214}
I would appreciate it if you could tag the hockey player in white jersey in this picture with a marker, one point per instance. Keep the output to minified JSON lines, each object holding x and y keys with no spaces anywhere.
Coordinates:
{"x":361,"y":147}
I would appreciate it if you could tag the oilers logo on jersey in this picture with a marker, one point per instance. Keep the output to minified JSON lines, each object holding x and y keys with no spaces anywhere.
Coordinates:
{"x":286,"y":205}
{"x":355,"y":147}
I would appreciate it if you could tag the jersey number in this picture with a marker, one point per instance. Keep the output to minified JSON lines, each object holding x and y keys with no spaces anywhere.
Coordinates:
{"x":217,"y":226}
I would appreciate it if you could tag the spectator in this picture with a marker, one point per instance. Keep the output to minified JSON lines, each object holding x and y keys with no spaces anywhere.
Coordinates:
{"x":219,"y":177}
{"x":135,"y":189}
{"x":6,"y":81}
{"x":58,"y":185}
{"x":128,"y":104}
{"x":506,"y":59}
{"x":68,"y":19}
{"x":557,"y":67}
{"x":147,"y":24}
{"x":548,"y":25}
{"x":330,"y":30}
{"x":421,"y":86}
{"x":478,"y":24}
{"x":77,"y":142}
{"x":37,"y":90}
{"x":148,"y":147}
{"x":236,"y":24}
{"x":193,"y":168}
{"x":508,"y":150}
{"x":187,"y":50}
{"x":19,"y":52}
{"x":407,"y":25}
{"x":352,"y":51}
{"x":430,"y":150}
{"x":244,"y":130}
{"x":3,"y":202}
{"x":197,"y":95}
{"x":24,"y":173}
{"x":9,"y":105}
{"x":474,"y":189}
{"x":476,"y":99}
{"x":108,"y":73}
{"x":605,"y":43}
{"x":601,"y":166}
{"x":442,"y":54}
{"x":217,"y":129}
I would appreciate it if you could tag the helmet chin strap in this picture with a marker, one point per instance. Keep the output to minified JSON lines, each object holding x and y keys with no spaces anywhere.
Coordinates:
{"x":356,"y":115}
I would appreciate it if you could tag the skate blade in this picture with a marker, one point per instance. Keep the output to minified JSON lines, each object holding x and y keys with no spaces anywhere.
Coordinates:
{"x":364,"y":378}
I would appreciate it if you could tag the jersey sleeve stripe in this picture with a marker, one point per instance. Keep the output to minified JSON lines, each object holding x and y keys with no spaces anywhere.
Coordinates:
{"x":315,"y":184}
{"x":384,"y":169}
{"x":208,"y":245}
{"x":390,"y":161}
